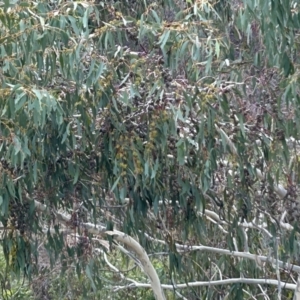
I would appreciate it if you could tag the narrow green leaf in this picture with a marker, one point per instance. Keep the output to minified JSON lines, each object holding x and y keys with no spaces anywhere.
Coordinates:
{"x":77,"y":171}
{"x":164,"y":38}
{"x":115,"y":184}
{"x":17,"y":145}
{"x":89,"y":275}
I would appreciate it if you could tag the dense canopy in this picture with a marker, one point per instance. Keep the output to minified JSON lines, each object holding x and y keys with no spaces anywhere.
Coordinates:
{"x":168,"y":126}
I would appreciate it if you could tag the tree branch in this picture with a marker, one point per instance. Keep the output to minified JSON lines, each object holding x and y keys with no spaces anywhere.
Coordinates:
{"x":122,"y":238}
{"x":289,"y":286}
{"x":256,"y":258}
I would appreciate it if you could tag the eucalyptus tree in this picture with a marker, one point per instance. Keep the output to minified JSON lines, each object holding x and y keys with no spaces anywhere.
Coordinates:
{"x":153,"y":127}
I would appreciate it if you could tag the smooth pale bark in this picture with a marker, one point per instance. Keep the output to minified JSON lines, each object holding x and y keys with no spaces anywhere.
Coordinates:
{"x":143,"y":258}
{"x":289,"y":286}
{"x":121,"y":237}
{"x":297,"y":290}
{"x":149,"y":270}
{"x":259,"y":259}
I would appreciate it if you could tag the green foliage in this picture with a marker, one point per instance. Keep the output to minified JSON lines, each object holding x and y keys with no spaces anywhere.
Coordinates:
{"x":69,"y":286}
{"x":11,"y":287}
{"x":139,"y":115}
